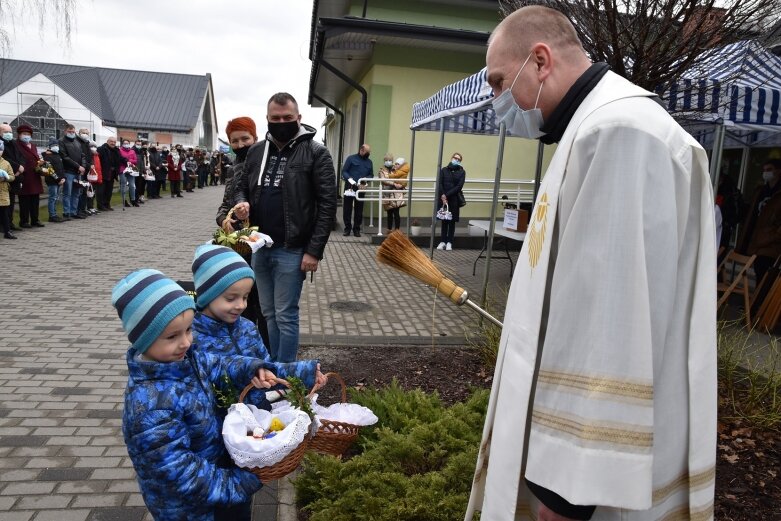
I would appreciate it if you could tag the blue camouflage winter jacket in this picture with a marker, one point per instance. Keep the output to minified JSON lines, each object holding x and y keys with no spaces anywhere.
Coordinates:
{"x":242,"y":338}
{"x":174,"y":439}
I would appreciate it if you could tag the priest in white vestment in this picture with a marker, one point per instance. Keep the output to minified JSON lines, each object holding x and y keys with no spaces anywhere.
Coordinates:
{"x":603,"y":404}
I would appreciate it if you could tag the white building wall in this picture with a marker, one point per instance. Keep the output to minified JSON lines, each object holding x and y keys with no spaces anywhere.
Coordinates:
{"x":19,"y":99}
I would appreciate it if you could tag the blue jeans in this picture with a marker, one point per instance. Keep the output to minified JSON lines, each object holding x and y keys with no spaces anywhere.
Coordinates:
{"x":280,"y":280}
{"x":70,"y":204}
{"x":53,"y":200}
{"x":131,"y":185}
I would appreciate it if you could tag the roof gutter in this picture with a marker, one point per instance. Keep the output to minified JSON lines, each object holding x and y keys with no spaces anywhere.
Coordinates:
{"x":335,"y":26}
{"x":357,"y":86}
{"x":341,"y":133}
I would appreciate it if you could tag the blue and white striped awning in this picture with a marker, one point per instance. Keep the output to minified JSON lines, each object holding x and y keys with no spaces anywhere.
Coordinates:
{"x":465,"y":106}
{"x":739,"y":83}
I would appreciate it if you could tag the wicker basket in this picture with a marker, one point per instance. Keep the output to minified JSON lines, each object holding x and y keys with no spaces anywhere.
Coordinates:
{"x":289,"y":463}
{"x":334,"y":437}
{"x":240,"y":247}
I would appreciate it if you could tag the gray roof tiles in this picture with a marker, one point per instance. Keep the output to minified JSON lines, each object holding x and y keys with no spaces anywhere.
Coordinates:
{"x":122,"y":98}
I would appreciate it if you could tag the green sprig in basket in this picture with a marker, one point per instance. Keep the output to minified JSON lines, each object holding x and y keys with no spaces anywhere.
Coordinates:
{"x":234,"y":240}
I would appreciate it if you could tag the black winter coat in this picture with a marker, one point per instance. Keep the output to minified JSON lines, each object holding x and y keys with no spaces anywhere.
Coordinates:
{"x":230,"y":192}
{"x":59,"y":168}
{"x":110,"y":161}
{"x":451,"y":182}
{"x":308,"y":194}
{"x":13,"y":156}
{"x":75,"y":153}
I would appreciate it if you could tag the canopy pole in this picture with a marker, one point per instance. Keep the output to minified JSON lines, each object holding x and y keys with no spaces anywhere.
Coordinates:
{"x":436,"y":187}
{"x":409,"y":183}
{"x":491,"y":221}
{"x":718,"y":147}
{"x":538,"y":170}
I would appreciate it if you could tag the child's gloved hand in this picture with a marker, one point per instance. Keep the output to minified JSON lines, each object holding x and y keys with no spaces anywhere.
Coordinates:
{"x":264,"y":379}
{"x":320,"y":378}
{"x":3,"y":174}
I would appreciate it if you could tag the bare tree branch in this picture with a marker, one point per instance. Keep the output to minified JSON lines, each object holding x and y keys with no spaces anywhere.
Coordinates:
{"x":57,"y":14}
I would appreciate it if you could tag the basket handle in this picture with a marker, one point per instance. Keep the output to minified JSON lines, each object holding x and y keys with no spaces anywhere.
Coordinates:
{"x":244,"y":223}
{"x":339,"y":378}
{"x":250,"y":387}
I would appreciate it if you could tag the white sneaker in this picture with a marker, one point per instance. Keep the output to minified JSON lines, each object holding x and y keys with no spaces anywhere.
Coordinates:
{"x":449,"y":247}
{"x":441,"y":246}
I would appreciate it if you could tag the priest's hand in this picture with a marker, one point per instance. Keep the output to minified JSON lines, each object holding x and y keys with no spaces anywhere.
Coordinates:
{"x":546,"y":514}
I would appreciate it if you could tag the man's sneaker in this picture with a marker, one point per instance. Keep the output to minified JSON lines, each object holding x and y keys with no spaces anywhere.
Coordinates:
{"x":449,"y":247}
{"x":441,"y":246}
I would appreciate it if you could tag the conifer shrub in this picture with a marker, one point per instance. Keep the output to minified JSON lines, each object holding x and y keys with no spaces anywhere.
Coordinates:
{"x":416,"y":464}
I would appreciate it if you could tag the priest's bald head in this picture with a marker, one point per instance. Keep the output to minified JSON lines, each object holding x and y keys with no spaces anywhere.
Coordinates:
{"x":536,"y":53}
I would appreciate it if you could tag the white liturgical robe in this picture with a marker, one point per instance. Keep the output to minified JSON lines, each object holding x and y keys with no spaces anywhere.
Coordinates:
{"x":610,"y":327}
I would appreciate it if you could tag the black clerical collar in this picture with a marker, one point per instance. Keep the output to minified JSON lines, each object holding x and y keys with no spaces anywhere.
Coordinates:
{"x":557,"y":123}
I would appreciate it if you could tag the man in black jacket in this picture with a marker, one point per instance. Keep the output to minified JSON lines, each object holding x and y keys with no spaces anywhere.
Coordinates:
{"x":77,"y":158}
{"x":110,"y":161}
{"x":287,"y":190}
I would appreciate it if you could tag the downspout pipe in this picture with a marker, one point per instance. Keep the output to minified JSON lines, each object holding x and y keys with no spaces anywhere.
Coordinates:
{"x":357,"y":86}
{"x":341,"y":135}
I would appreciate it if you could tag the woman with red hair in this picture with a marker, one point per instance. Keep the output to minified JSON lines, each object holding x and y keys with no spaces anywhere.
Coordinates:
{"x":241,"y":136}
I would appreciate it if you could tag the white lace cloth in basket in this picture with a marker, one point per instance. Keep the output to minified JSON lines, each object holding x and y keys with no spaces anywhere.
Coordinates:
{"x":351,"y":413}
{"x":250,"y":452}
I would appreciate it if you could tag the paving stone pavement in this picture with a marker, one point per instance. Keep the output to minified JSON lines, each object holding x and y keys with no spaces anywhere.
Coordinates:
{"x":62,"y":368}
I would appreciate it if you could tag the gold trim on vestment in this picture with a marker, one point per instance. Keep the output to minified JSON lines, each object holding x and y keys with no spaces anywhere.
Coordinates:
{"x":610,"y":386}
{"x":686,"y":482}
{"x":684,"y":513}
{"x":536,"y":230}
{"x":606,"y":432}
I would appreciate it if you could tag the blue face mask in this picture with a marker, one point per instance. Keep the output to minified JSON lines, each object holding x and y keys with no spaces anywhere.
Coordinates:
{"x":55,"y":149}
{"x":70,"y":135}
{"x":455,"y":162}
{"x":26,"y":139}
{"x":519,"y":122}
{"x":8,"y":136}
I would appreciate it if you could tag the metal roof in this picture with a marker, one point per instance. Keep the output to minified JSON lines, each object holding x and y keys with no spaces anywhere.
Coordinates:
{"x":122,"y":98}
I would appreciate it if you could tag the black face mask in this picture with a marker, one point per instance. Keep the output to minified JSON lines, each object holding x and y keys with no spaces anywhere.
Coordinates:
{"x":241,"y":153}
{"x":283,"y":132}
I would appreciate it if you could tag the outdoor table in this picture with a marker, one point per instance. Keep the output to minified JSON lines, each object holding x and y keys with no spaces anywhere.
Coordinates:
{"x":503,"y":235}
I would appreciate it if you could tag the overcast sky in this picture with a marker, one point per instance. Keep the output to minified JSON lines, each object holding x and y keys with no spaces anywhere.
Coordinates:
{"x":252,"y":48}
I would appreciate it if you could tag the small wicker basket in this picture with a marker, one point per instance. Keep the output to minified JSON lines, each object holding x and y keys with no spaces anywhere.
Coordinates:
{"x":240,"y":247}
{"x":334,"y":437}
{"x":289,"y":463}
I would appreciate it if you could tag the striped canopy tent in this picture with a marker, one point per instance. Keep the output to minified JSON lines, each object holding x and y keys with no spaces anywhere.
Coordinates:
{"x":739,"y":83}
{"x":730,"y":98}
{"x":464,"y":107}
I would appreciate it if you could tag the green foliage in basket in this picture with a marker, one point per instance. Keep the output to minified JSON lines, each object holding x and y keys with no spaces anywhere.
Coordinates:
{"x":421,"y":468}
{"x":225,"y":392}
{"x":230,"y":239}
{"x":297,"y":396}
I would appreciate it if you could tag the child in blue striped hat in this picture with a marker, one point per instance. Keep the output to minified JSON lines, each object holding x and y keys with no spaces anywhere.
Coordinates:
{"x":169,"y":424}
{"x":223,"y":281}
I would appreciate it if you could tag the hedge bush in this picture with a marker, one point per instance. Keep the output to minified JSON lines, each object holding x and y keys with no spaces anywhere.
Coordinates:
{"x":417,"y":464}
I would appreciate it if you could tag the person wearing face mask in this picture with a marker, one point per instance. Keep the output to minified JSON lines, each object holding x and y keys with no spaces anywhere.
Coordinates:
{"x":110,"y":164}
{"x":95,"y":178}
{"x":395,"y":199}
{"x":760,"y":232}
{"x":6,"y":178}
{"x":604,"y":394}
{"x":30,"y":193}
{"x":77,"y":158}
{"x":129,"y":159}
{"x":356,"y":167}
{"x":451,"y":182}
{"x":287,"y":190}
{"x":174,"y":168}
{"x":142,"y":155}
{"x":155,"y":163}
{"x":12,"y":155}
{"x":54,"y":180}
{"x":83,"y":139}
{"x":242,"y":134}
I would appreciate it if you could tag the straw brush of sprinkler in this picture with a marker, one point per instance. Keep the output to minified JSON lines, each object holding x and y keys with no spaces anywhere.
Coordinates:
{"x":397,"y":251}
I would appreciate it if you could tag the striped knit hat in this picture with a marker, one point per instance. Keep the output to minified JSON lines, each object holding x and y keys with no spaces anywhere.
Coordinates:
{"x":215,"y":269}
{"x":146,"y":302}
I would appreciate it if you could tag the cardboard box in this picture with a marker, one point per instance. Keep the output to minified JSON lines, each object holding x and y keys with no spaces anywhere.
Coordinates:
{"x":516,"y":220}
